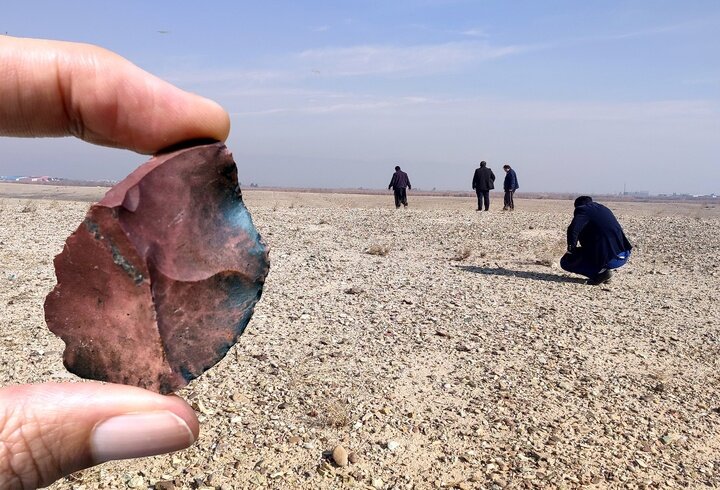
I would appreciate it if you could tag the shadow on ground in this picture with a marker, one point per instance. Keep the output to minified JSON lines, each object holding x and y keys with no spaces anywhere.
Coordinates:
{"x":538,"y":276}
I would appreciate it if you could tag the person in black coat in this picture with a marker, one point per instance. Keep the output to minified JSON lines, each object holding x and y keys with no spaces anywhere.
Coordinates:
{"x":398,"y":183}
{"x":596,"y":243}
{"x":483,"y":181}
{"x":510,"y":185}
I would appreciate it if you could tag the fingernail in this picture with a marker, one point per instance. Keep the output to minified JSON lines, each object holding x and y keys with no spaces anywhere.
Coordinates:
{"x":137,"y":435}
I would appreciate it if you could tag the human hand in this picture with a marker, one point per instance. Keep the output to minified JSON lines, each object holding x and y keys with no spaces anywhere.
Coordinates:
{"x":51,"y":88}
{"x":50,"y":430}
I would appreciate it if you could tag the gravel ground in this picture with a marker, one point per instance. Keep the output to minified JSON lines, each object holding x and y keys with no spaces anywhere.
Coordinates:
{"x":440,"y":347}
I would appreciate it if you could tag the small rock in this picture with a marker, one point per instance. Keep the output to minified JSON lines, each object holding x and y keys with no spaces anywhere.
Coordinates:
{"x":377,"y":483}
{"x":668,"y":439}
{"x":294,"y":440}
{"x":392,"y":445}
{"x":353,"y":458}
{"x":164,"y":485}
{"x":340,"y":456}
{"x":136,"y":482}
{"x":353,"y":290}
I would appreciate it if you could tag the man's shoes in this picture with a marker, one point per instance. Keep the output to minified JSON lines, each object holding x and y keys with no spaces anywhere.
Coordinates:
{"x":505,"y":208}
{"x":601,"y":278}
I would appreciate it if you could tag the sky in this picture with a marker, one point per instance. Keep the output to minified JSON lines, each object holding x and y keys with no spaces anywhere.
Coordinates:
{"x":584,"y":97}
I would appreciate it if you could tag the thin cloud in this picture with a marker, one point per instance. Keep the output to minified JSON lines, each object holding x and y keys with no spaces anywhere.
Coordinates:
{"x":474,"y":33}
{"x":703,"y":81}
{"x":351,"y":104}
{"x":195,"y":77}
{"x":498,"y":109}
{"x":542,"y":110}
{"x":690,"y":25}
{"x":385,"y":60}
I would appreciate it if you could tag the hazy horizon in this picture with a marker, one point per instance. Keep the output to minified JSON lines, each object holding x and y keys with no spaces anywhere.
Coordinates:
{"x":580,"y":98}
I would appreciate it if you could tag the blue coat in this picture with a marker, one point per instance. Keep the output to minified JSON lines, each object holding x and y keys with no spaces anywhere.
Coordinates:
{"x":511,"y":182}
{"x":600,"y":235}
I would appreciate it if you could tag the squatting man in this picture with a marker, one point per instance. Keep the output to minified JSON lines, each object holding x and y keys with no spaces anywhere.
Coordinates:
{"x":596,"y":243}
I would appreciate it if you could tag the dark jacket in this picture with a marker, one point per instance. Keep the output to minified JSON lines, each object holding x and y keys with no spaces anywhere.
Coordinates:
{"x":484,"y":179}
{"x":511,"y":182}
{"x":400,"y":180}
{"x":600,"y":235}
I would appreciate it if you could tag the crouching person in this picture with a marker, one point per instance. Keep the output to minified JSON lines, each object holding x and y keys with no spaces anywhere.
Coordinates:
{"x":596,"y":243}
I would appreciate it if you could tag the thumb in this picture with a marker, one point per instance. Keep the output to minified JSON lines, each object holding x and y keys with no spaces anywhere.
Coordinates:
{"x":48,"y":431}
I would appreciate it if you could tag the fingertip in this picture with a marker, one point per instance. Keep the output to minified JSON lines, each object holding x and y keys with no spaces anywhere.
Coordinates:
{"x":140,"y":434}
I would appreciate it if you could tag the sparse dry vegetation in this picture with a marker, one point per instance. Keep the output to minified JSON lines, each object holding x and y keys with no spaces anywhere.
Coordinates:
{"x":377,"y":249}
{"x":461,"y":254}
{"x":335,"y":415}
{"x":29,"y":207}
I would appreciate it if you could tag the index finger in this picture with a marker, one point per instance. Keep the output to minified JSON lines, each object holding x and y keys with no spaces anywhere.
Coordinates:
{"x":54,"y":88}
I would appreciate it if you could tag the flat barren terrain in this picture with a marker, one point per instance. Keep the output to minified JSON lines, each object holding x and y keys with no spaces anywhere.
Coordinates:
{"x":455,"y":355}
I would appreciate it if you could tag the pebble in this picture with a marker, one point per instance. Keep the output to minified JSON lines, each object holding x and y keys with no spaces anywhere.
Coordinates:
{"x":668,"y":439}
{"x":136,"y":482}
{"x":340,"y":456}
{"x":377,"y":483}
{"x":392,"y":445}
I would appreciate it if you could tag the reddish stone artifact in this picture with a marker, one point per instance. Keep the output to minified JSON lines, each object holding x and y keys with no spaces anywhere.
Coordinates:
{"x":162,"y":277}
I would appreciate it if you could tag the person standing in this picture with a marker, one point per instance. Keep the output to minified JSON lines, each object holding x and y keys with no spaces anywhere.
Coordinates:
{"x":398,"y":183}
{"x":603,"y":245}
{"x":510,"y":186}
{"x":483,"y":181}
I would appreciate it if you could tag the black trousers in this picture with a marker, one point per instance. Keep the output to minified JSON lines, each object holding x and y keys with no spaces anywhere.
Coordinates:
{"x":483,"y":196}
{"x":400,"y":196}
{"x":508,"y":200}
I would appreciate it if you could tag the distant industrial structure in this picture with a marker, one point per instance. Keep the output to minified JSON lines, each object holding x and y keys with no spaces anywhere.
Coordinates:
{"x":43,"y":179}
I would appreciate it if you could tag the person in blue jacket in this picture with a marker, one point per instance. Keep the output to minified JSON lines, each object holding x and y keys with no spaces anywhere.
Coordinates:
{"x":510,"y":185}
{"x":596,"y":243}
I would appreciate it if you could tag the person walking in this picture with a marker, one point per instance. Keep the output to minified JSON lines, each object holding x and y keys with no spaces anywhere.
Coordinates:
{"x":510,"y":186}
{"x":483,"y":181}
{"x":398,"y":183}
{"x":603,"y":245}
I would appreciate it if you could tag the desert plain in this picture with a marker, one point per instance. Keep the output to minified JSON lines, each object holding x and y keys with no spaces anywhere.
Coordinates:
{"x":439,"y":346}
